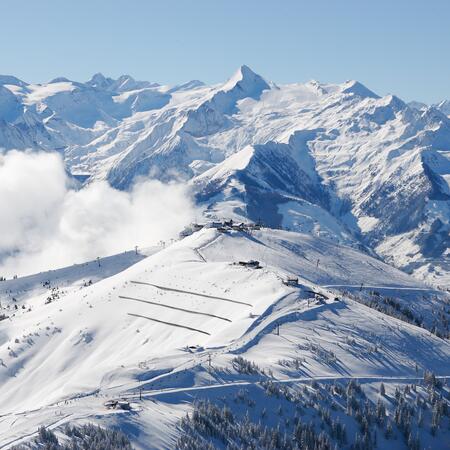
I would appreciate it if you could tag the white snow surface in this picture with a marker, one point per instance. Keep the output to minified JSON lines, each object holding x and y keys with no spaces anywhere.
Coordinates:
{"x":61,"y":360}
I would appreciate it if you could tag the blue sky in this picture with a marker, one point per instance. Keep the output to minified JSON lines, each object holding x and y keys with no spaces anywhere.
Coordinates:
{"x":396,"y":46}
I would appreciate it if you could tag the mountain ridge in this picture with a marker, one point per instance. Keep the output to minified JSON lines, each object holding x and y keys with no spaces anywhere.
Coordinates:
{"x":332,"y":159}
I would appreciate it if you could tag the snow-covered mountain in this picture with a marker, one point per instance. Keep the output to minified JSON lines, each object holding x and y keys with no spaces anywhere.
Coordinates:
{"x":444,"y":106}
{"x":188,"y":322}
{"x":335,"y":160}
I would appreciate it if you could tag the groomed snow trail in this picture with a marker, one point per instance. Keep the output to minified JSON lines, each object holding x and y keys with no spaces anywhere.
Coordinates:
{"x":182,"y":291}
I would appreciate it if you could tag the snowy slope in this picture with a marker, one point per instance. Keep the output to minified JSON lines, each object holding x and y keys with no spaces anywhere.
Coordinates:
{"x":72,"y":277}
{"x":444,"y":106}
{"x":61,"y":360}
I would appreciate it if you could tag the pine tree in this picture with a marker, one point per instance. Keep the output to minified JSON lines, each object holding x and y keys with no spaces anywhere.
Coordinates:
{"x":389,"y":431}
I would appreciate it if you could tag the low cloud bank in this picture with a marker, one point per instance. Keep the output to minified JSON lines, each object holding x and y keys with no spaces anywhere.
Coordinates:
{"x":45,"y":223}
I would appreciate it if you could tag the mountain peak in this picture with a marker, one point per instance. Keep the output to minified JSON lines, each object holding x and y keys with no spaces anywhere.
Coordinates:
{"x":98,"y":80}
{"x":243,"y":84}
{"x":59,"y":80}
{"x":246,"y":71}
{"x":419,"y":106}
{"x":444,"y":107}
{"x":128,"y":83}
{"x":356,"y":88}
{"x":98,"y":77}
{"x":125,"y":77}
{"x":193,"y":84}
{"x":248,"y":81}
{"x":10,"y":79}
{"x":122,"y":84}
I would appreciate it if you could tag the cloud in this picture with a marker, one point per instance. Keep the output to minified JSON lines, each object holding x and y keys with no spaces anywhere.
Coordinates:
{"x":46,"y":223}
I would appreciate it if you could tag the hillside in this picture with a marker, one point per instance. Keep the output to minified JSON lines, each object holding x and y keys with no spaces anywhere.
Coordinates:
{"x":189,"y":322}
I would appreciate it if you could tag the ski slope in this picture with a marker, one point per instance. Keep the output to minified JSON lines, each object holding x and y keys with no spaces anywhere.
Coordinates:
{"x":171,"y":323}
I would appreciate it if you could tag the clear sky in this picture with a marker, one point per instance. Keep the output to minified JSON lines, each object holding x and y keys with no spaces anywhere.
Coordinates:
{"x":392,"y":46}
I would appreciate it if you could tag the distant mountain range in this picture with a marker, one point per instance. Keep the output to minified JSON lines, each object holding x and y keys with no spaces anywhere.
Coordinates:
{"x":333,"y":160}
